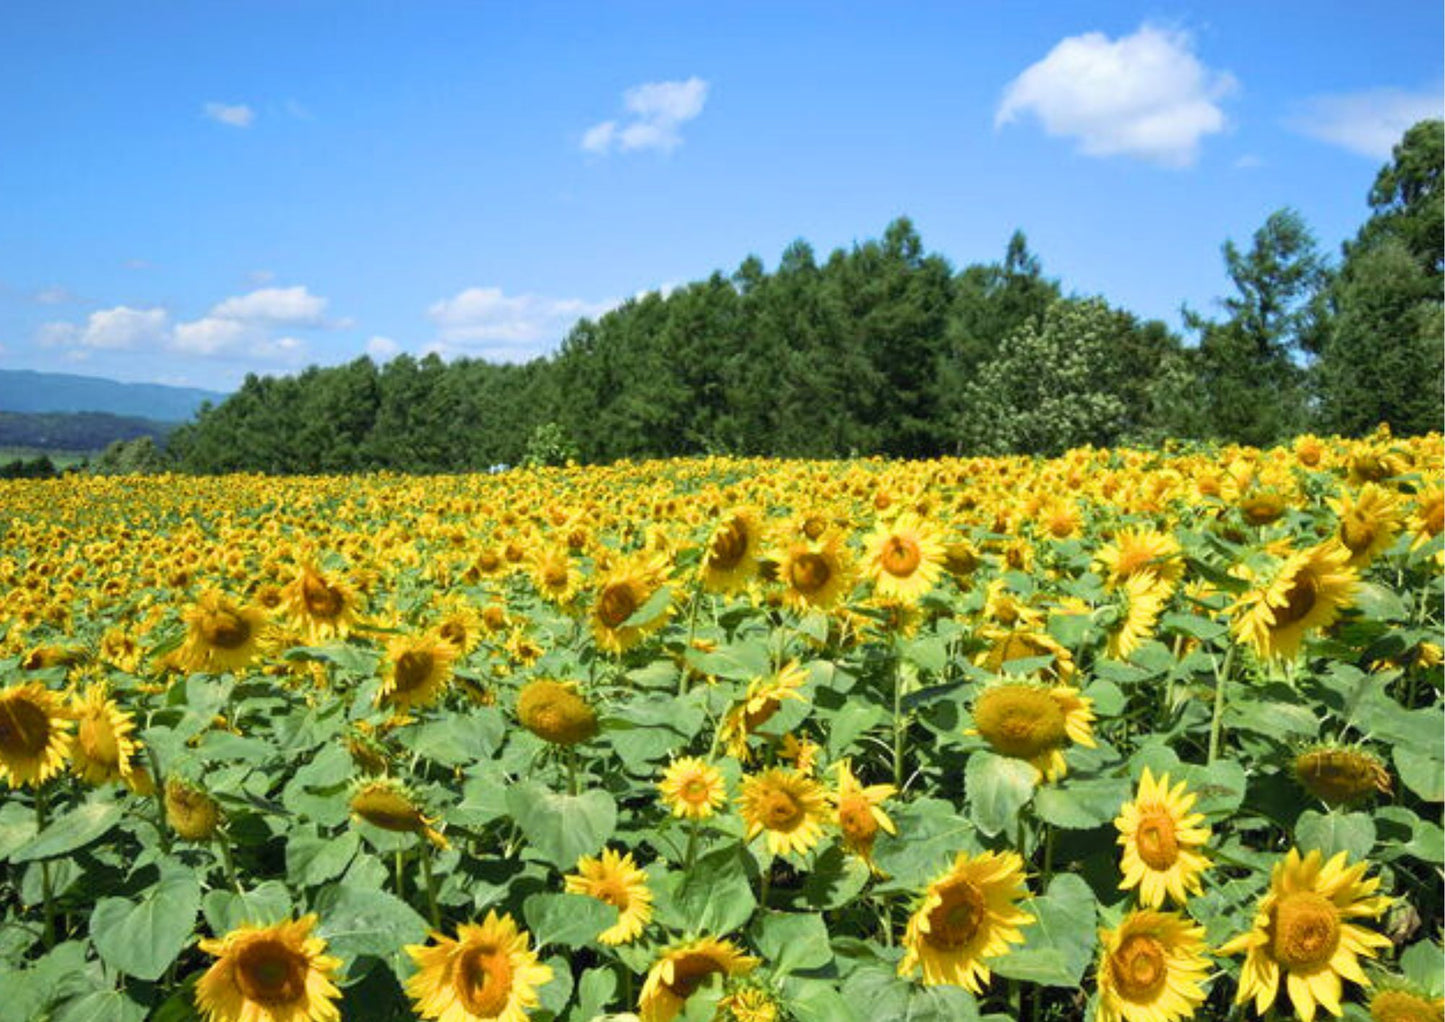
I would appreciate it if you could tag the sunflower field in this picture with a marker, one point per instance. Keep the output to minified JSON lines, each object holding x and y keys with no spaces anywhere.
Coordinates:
{"x":1124,"y":735}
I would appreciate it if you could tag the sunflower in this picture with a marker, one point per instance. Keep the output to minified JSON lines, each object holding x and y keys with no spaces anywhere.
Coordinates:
{"x":555,"y":712}
{"x":1025,"y":643}
{"x":192,"y":813}
{"x":1304,"y":932}
{"x":460,"y":626}
{"x":802,"y":753}
{"x":1306,"y":593}
{"x":555,"y":576}
{"x":1396,"y":1004}
{"x":1427,"y":518}
{"x":624,"y":591}
{"x":730,"y":560}
{"x":1142,"y":600}
{"x":416,"y":671}
{"x":1369,"y":521}
{"x":1135,"y":551}
{"x":35,"y":734}
{"x":223,"y":635}
{"x":1161,"y":840}
{"x":816,"y":574}
{"x":968,"y":914}
{"x":792,"y":809}
{"x":682,"y":968}
{"x":692,"y":789}
{"x":1034,"y":722}
{"x":749,"y":1004}
{"x":763,"y":698}
{"x":1150,"y":968}
{"x":102,"y":749}
{"x":904,"y":560}
{"x":486,"y":973}
{"x":860,"y":814}
{"x":616,"y":880}
{"x":274,"y":973}
{"x":1341,"y":775}
{"x":386,"y":803}
{"x":320,"y":606}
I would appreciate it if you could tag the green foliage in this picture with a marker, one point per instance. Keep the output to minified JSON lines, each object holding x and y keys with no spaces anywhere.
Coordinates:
{"x":549,"y":444}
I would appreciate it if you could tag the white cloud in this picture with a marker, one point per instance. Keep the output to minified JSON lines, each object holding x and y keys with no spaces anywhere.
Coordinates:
{"x":1144,"y":95}
{"x":382,"y":348}
{"x":117,"y":329}
{"x":656,"y":111}
{"x":55,"y":295}
{"x":211,"y":336}
{"x":238,"y":115}
{"x":260,"y":277}
{"x":485,"y":321}
{"x":276,"y":306}
{"x":1368,"y":123}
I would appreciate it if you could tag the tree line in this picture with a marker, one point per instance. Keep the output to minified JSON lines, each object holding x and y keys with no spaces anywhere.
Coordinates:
{"x":886,"y":349}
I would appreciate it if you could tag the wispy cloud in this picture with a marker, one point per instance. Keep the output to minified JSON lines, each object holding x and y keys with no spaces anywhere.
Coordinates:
{"x":1368,"y":123}
{"x":487,"y":322}
{"x":1144,"y":95}
{"x":237,"y":115}
{"x":655,"y":114}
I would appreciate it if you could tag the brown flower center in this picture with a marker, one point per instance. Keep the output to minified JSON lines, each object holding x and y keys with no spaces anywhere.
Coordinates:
{"x":809,"y":573}
{"x":1300,"y":599}
{"x":24,"y":729}
{"x":1340,"y":776}
{"x":555,"y":576}
{"x":386,"y":809}
{"x":1403,"y":1006}
{"x":688,"y":973}
{"x":484,"y":980}
{"x":729,"y":546}
{"x":616,"y":605}
{"x":225,"y":629}
{"x":959,"y":916}
{"x":1019,"y":721}
{"x":779,"y":810}
{"x":1357,"y":533}
{"x":1306,"y":931}
{"x":1262,"y":509}
{"x":1155,"y":837}
{"x":453,"y":633}
{"x":271,"y":974}
{"x":900,"y":556}
{"x":1139,"y":968}
{"x":814,"y":526}
{"x":856,"y":820}
{"x":322,"y":600}
{"x":1434,"y":517}
{"x":413,"y":668}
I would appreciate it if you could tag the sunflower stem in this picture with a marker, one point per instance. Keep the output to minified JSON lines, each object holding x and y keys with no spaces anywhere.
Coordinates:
{"x":765,"y":887}
{"x":431,"y":885}
{"x":687,"y":647}
{"x":223,"y":842}
{"x":398,"y":874}
{"x":572,"y":782}
{"x":41,"y":805}
{"x":158,"y":783}
{"x":1216,"y":725}
{"x":900,"y":727}
{"x":692,"y":829}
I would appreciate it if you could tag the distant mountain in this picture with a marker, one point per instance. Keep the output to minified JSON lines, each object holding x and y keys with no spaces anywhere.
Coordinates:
{"x":24,"y":390}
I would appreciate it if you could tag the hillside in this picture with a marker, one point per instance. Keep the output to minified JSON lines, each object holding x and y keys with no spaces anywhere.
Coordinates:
{"x":75,"y":431}
{"x":24,"y":390}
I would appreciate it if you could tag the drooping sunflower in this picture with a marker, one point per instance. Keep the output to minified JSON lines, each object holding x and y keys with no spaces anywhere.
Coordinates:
{"x":1427,"y":518}
{"x":860,"y":814}
{"x":555,"y":576}
{"x":763,"y":698}
{"x":1305,"y":933}
{"x":968,"y":914}
{"x":789,"y":806}
{"x":1024,"y":643}
{"x":386,"y":803}
{"x":321,"y":606}
{"x":1305,"y":594}
{"x":675,"y":976}
{"x":416,"y":670}
{"x":615,"y":879}
{"x":1398,"y":1004}
{"x":556,"y":712}
{"x":1150,"y":968}
{"x":1134,"y":551}
{"x":102,"y":749}
{"x":35,"y":737}
{"x":816,"y":574}
{"x":487,"y":973}
{"x":692,"y":789}
{"x":1142,"y":600}
{"x":730,"y":560}
{"x":1034,"y":722}
{"x":1369,"y":521}
{"x":624,"y":591}
{"x":223,"y":635}
{"x":192,"y":813}
{"x":276,"y":973}
{"x":1341,"y":775}
{"x":904,"y":559}
{"x":1161,"y":840}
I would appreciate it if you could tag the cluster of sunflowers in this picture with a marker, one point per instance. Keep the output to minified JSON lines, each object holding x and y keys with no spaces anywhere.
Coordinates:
{"x":1125,"y":735}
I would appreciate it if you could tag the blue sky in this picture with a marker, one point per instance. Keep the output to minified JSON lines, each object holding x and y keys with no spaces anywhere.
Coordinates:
{"x":196,"y":191}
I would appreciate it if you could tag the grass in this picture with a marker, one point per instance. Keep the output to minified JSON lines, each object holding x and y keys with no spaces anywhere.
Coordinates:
{"x":60,"y":459}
